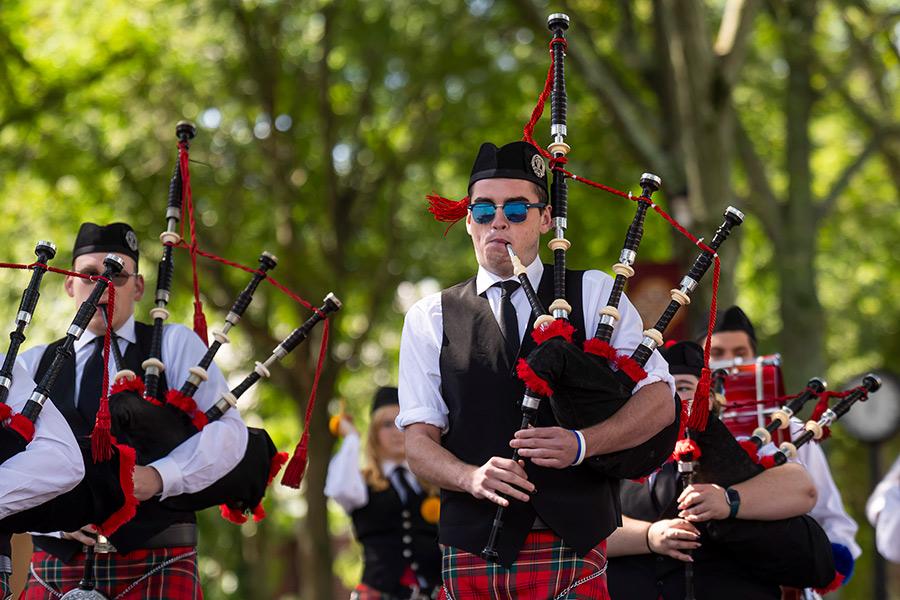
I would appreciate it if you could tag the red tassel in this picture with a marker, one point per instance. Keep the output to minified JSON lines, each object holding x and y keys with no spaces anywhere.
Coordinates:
{"x":23,"y":426}
{"x":200,"y":420}
{"x":699,"y":414}
{"x":628,"y":366}
{"x":126,"y":481}
{"x":181,"y":402}
{"x":277,"y":462}
{"x":135,"y":385}
{"x":293,"y":473}
{"x":686,"y":449}
{"x":232,"y":514}
{"x":751,"y":450}
{"x":259,"y":513}
{"x":200,"y":321}
{"x":835,"y":584}
{"x":101,"y":438}
{"x":559,"y":327}
{"x":600,"y":348}
{"x":531,"y":379}
{"x":445,"y":210}
{"x":5,"y":412}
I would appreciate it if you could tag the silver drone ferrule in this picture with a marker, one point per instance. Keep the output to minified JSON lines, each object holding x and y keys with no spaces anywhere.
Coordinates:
{"x":230,"y":321}
{"x":222,"y":405}
{"x":828,"y":417}
{"x":735,"y":213}
{"x":278,"y":353}
{"x":685,"y":466}
{"x":23,"y":317}
{"x":5,"y":382}
{"x":173,"y":213}
{"x":607,"y":319}
{"x":687,"y":285}
{"x":38,"y":397}
{"x":649,"y":342}
{"x":75,"y":331}
{"x":627,"y":257}
{"x":530,"y":402}
{"x":560,"y":313}
{"x":162,"y":295}
{"x":559,"y":133}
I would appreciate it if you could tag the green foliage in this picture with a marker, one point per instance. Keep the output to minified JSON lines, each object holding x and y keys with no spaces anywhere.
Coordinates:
{"x":322,"y":125}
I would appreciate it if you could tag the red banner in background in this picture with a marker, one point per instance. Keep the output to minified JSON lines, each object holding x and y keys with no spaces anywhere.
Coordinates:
{"x":649,"y":289}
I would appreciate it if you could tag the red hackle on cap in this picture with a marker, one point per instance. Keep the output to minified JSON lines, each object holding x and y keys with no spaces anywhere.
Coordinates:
{"x":446,"y":210}
{"x":126,"y":512}
{"x":531,"y":379}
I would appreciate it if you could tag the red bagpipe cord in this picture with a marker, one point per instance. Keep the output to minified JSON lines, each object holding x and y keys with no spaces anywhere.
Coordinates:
{"x":187,"y":205}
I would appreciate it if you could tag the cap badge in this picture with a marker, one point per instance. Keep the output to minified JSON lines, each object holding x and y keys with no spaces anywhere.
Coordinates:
{"x":131,"y":240}
{"x":537,"y":165}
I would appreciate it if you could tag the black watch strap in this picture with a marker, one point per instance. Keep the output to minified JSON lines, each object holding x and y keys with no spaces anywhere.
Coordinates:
{"x":733,"y":498}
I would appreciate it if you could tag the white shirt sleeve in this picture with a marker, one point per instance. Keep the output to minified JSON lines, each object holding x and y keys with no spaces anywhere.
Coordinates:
{"x":629,"y":330}
{"x":883,"y":511}
{"x":344,"y":483}
{"x":829,"y":509}
{"x":50,"y":465}
{"x":211,"y":454}
{"x":420,"y":370}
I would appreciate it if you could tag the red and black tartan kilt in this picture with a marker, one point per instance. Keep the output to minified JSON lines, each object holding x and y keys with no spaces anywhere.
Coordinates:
{"x":365,"y":592}
{"x":5,"y":590}
{"x":545,"y":569}
{"x":114,"y":572}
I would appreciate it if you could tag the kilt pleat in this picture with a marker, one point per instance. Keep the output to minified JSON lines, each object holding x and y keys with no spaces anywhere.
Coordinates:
{"x":5,"y":590}
{"x":114,"y":573}
{"x":545,"y":569}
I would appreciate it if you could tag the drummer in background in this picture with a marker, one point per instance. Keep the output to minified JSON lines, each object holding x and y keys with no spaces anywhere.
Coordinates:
{"x":735,"y":337}
{"x":394,"y":514}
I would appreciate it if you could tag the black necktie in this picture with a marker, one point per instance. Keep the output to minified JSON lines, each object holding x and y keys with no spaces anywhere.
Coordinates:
{"x":404,"y":489}
{"x":509,"y":322}
{"x":91,"y":382}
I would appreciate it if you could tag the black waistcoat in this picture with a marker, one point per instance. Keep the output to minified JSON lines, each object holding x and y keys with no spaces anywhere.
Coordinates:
{"x":387,"y":532}
{"x":483,"y":394}
{"x":653,"y":576}
{"x":5,"y":545}
{"x":151,"y":518}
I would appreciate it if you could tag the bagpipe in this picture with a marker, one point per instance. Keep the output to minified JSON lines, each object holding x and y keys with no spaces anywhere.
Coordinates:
{"x":105,"y":494}
{"x":586,"y":384}
{"x":155,"y":421}
{"x":715,"y":456}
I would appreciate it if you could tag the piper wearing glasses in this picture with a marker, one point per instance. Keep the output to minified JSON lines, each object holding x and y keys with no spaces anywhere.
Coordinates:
{"x":459,"y":394}
{"x":394,"y":514}
{"x":159,"y":535}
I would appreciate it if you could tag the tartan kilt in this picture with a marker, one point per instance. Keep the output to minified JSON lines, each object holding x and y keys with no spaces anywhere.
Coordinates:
{"x":179,"y":580}
{"x":545,"y":569}
{"x":5,"y":590}
{"x":365,"y":592}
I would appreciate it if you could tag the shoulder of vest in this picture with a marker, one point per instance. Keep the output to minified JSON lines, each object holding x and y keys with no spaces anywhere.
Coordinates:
{"x":459,"y":286}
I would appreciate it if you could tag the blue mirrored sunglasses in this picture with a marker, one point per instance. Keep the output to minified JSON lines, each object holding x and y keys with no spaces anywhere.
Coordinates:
{"x":515,"y":212}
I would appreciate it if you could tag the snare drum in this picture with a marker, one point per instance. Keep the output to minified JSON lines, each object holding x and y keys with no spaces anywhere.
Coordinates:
{"x":754,"y":389}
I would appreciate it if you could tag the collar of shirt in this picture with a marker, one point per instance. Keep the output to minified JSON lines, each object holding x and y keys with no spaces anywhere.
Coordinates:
{"x":125,"y":332}
{"x":388,"y":466}
{"x":485,"y":279}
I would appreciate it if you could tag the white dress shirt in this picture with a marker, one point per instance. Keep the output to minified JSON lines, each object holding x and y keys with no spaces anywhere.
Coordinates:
{"x":883,"y":511}
{"x":423,"y":332}
{"x":204,"y":458}
{"x":50,"y":465}
{"x":345,"y":483}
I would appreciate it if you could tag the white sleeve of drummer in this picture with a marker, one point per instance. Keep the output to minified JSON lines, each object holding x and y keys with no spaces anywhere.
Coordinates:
{"x":883,"y":511}
{"x":420,"y":366}
{"x":344,"y":483}
{"x":50,"y":465}
{"x":210,"y":455}
{"x":628,"y":331}
{"x":829,"y":510}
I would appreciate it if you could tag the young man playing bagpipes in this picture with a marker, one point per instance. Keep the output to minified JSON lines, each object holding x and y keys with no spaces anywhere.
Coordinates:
{"x":459,"y":394}
{"x":50,"y":464}
{"x":154,"y":554}
{"x":648,"y":554}
{"x":735,"y":337}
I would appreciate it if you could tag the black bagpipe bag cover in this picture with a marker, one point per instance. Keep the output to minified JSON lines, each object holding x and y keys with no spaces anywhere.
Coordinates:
{"x":586,"y":391}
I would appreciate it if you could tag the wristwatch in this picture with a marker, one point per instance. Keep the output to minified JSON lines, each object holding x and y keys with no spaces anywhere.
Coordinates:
{"x":734,"y":501}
